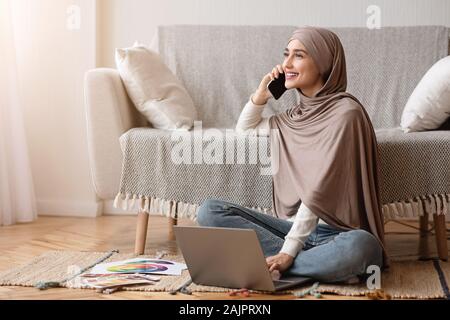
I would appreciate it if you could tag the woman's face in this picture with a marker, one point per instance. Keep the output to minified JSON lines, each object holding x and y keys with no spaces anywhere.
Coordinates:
{"x":297,"y":60}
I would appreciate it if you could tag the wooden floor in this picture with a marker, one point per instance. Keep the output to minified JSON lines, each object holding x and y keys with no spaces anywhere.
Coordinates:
{"x":20,"y":243}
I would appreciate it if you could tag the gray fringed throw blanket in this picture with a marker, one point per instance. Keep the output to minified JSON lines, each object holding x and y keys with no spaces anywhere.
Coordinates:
{"x":415,"y":174}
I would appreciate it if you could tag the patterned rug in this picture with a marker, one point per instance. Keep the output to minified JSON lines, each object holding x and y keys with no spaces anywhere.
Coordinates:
{"x":404,"y":279}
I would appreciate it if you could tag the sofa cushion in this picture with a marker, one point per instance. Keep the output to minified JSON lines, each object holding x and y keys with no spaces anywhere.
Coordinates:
{"x":154,"y":89}
{"x":413,"y":164}
{"x":428,"y":106}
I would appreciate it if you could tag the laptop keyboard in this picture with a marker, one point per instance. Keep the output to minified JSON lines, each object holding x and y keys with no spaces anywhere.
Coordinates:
{"x":281,"y":281}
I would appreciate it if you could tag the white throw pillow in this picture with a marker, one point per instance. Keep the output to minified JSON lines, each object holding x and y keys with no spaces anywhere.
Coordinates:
{"x":428,"y":107}
{"x":155,"y":91}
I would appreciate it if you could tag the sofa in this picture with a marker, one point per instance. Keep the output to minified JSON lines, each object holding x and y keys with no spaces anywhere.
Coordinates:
{"x":221,"y":66}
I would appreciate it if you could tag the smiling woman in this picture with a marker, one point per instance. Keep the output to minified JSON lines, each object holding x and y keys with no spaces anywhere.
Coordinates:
{"x":318,"y":230}
{"x":301,"y":70}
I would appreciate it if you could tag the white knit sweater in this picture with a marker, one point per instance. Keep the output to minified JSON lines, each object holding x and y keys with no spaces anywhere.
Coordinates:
{"x":305,"y":220}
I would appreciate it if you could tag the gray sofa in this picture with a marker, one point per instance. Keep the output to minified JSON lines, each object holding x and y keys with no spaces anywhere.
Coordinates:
{"x":220,"y":67}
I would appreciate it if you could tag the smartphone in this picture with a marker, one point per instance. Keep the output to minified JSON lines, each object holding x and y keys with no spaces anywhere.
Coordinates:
{"x":276,"y":86}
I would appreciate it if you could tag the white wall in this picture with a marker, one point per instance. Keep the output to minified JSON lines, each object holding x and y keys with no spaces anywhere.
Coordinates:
{"x":53,"y":59}
{"x":125,"y":21}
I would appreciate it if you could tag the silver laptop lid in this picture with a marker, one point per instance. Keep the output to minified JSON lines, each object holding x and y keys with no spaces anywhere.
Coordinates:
{"x":224,"y":257}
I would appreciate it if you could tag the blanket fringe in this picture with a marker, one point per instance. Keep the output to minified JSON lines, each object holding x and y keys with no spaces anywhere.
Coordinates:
{"x":413,"y":207}
{"x":158,"y":206}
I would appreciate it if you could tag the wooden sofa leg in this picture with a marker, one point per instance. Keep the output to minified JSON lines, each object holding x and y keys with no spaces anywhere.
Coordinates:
{"x":172,"y":222}
{"x":141,"y":232}
{"x":441,"y":236}
{"x":424,"y":252}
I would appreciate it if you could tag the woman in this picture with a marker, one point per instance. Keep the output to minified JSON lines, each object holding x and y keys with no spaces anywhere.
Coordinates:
{"x":328,"y":223}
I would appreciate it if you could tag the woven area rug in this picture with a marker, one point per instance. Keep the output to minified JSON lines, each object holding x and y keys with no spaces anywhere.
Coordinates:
{"x":405,"y":279}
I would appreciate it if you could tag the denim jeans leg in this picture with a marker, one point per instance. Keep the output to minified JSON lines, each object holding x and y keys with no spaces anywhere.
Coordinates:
{"x":344,"y":256}
{"x":269,"y":230}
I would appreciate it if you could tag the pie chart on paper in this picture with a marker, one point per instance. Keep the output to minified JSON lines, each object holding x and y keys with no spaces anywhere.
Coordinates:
{"x":144,"y":266}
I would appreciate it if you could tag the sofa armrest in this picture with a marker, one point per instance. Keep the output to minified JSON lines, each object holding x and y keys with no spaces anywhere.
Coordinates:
{"x":109,"y":113}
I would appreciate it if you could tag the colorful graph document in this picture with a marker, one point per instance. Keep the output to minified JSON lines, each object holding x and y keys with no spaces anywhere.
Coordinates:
{"x":140,"y":265}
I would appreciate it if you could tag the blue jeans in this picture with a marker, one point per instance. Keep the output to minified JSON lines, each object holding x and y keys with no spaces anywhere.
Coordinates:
{"x":329,"y":255}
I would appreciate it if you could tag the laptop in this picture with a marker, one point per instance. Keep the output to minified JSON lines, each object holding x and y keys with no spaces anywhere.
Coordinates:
{"x":230,"y":258}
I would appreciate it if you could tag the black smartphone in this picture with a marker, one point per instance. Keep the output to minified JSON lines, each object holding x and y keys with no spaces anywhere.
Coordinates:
{"x":276,"y":86}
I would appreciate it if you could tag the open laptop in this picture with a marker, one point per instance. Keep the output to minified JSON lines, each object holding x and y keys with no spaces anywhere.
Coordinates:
{"x":230,"y":258}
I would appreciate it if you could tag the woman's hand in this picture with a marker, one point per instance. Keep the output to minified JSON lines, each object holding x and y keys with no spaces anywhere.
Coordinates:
{"x":262,"y":94}
{"x":280,"y":262}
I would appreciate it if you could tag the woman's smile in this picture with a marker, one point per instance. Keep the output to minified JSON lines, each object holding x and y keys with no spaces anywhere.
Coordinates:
{"x":291,"y":75}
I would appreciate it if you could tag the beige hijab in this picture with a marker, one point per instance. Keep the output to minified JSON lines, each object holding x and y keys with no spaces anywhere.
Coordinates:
{"x":326,"y":148}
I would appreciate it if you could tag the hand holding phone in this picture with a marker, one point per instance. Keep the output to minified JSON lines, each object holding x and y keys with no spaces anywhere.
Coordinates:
{"x":276,"y":86}
{"x":272,"y":85}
